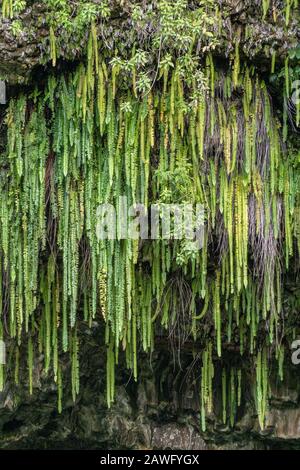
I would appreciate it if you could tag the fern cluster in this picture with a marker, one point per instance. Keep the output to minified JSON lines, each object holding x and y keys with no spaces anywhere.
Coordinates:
{"x":89,"y":139}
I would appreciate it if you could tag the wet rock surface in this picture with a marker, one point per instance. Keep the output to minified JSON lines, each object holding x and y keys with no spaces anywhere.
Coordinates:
{"x":160,"y":411}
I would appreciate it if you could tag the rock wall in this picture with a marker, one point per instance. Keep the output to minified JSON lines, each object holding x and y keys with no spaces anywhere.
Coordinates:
{"x":160,"y":411}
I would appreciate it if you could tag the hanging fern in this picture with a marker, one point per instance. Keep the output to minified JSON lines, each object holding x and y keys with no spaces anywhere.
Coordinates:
{"x":176,"y":144}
